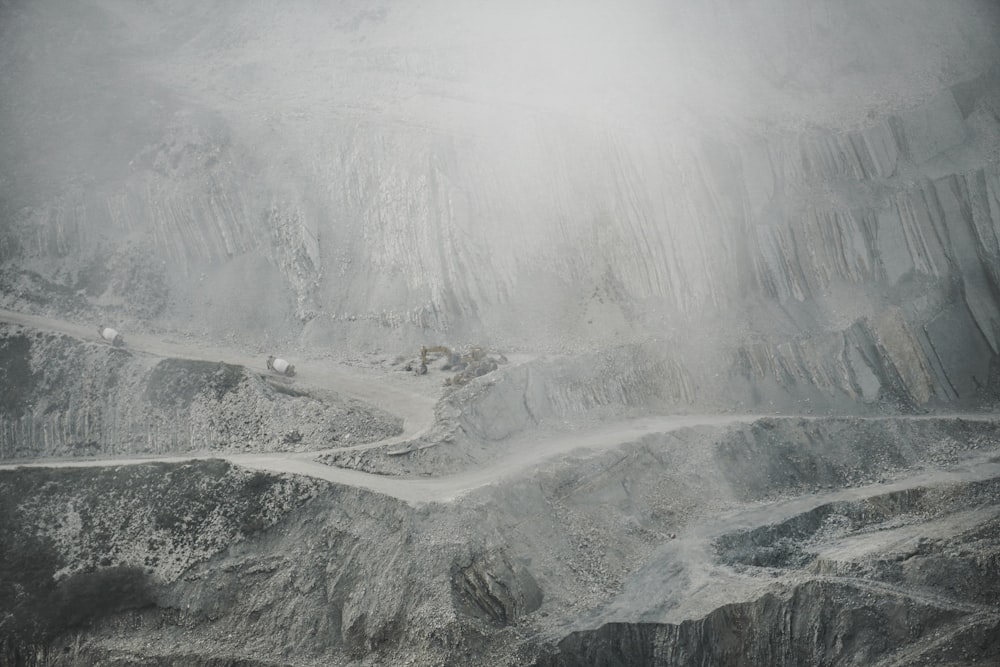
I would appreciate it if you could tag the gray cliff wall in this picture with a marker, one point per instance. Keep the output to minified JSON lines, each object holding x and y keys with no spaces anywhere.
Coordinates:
{"x":813,"y":199}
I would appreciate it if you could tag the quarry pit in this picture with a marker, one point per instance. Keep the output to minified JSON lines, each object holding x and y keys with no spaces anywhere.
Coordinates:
{"x":642,"y":333}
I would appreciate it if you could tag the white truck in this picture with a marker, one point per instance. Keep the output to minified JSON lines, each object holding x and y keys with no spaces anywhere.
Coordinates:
{"x":111,"y":335}
{"x":281,"y":366}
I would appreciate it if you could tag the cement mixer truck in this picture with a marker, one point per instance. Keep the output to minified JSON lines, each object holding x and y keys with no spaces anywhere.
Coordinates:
{"x":280,"y":366}
{"x":111,"y":335}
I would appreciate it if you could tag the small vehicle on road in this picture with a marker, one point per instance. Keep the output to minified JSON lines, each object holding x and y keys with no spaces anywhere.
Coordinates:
{"x":111,"y":335}
{"x":280,"y":366}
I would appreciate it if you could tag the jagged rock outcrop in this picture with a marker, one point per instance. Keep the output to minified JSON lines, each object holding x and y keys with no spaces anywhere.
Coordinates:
{"x":819,"y":623}
{"x":902,"y":578}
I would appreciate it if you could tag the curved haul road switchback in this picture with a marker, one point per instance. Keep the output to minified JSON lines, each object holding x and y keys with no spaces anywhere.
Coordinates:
{"x":417,"y":411}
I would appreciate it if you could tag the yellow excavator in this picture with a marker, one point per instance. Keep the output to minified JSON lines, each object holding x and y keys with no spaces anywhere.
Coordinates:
{"x":472,"y":364}
{"x":434,"y":349}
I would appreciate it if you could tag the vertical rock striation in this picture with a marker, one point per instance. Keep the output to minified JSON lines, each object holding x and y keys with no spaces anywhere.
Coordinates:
{"x":699,"y":181}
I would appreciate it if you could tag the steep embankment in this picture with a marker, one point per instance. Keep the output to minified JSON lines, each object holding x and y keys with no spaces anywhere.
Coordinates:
{"x":721,"y":529}
{"x":66,"y":397}
{"x":78,"y":545}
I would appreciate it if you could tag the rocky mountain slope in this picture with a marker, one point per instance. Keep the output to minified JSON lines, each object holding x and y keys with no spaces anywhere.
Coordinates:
{"x":813,"y":199}
{"x":779,"y":208}
{"x":836,"y":552}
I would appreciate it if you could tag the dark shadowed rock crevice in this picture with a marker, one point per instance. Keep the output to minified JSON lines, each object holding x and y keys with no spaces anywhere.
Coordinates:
{"x":492,"y":588}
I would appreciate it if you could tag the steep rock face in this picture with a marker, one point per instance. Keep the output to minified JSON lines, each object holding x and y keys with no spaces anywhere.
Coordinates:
{"x":383,"y":174}
{"x":71,"y":398}
{"x":776,"y":456}
{"x":492,"y":588}
{"x":508,"y":402}
{"x":820,"y":623}
{"x":929,"y":255}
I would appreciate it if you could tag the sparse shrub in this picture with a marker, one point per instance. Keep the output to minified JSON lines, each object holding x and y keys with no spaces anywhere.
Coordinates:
{"x":258,"y":484}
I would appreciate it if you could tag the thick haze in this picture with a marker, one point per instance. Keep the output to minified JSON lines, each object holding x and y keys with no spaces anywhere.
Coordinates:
{"x":549,"y":175}
{"x":731,"y":269}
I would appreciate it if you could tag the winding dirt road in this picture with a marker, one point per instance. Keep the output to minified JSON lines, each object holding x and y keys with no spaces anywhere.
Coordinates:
{"x":409,"y":399}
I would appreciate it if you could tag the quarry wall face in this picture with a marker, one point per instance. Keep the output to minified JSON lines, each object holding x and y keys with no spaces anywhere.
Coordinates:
{"x":666,"y":207}
{"x":802,"y":214}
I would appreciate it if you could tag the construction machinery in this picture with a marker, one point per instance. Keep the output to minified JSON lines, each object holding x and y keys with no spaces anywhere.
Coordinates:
{"x":472,"y":364}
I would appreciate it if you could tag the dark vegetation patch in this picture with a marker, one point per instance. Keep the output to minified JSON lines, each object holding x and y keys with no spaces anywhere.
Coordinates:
{"x":37,"y":608}
{"x":15,"y":374}
{"x":196,"y":497}
{"x":182,"y":499}
{"x":34,"y":606}
{"x":257,"y":486}
{"x":178,"y":657}
{"x":176,"y":382}
{"x":199,"y":507}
